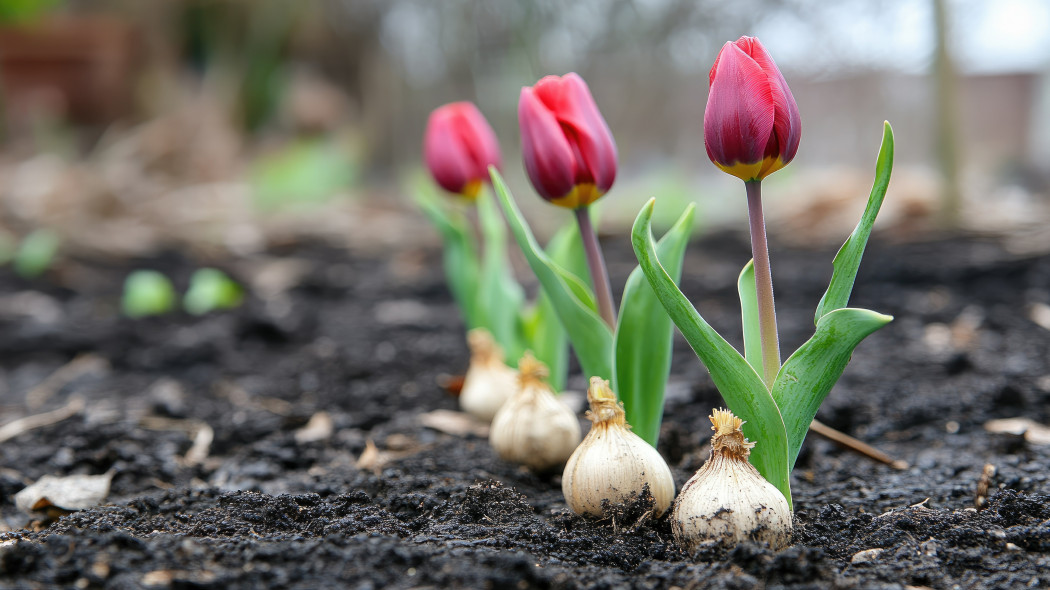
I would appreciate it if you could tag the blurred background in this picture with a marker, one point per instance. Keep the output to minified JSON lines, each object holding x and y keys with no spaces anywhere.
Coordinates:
{"x":228,"y":126}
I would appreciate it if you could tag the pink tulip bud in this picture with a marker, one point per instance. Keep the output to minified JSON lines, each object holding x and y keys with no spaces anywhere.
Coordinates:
{"x":569,"y":152}
{"x":458,"y":147}
{"x":751,"y":125}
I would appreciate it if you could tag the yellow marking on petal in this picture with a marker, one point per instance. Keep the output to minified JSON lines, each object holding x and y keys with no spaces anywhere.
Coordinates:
{"x":753,"y":171}
{"x":472,"y":190}
{"x":581,"y":195}
{"x":771,"y":165}
{"x":745,"y":172}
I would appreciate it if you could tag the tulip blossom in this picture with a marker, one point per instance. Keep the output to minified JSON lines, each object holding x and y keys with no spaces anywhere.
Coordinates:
{"x":751,"y":130}
{"x":459,"y":146}
{"x":751,"y":125}
{"x":569,"y":152}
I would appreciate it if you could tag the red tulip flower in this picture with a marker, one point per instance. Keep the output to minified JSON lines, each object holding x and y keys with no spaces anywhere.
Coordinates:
{"x":751,"y":125}
{"x":569,"y":152}
{"x":459,"y":146}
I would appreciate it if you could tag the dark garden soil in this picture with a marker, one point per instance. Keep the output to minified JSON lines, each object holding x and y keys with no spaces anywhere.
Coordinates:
{"x":366,"y":338}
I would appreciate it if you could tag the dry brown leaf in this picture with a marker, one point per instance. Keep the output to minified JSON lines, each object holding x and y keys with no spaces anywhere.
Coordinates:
{"x":319,"y":427}
{"x":454,"y":423}
{"x":69,"y":493}
{"x":371,"y":458}
{"x":1033,"y":432}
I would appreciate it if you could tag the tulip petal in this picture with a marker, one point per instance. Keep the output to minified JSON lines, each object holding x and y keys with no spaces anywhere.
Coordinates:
{"x":571,"y":101}
{"x":787,"y":124}
{"x":459,"y":146}
{"x":549,"y":159}
{"x":478,"y":138}
{"x":740,"y":113}
{"x":445,"y":154}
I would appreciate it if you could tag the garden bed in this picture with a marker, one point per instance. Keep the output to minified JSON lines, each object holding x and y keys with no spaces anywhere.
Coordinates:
{"x":275,"y":499}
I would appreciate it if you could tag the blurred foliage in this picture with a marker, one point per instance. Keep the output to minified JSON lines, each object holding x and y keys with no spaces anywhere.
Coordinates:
{"x":304,"y":173}
{"x":246,"y":43}
{"x":8,"y":247}
{"x":25,"y":11}
{"x":36,"y":253}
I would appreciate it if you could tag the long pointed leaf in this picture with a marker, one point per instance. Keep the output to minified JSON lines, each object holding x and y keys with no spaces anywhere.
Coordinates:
{"x":645,"y":335}
{"x":745,"y":286}
{"x":459,"y":255}
{"x":810,"y":373}
{"x":740,"y":386}
{"x":591,"y":338}
{"x":500,"y":297}
{"x":544,"y":334}
{"x":847,"y":261}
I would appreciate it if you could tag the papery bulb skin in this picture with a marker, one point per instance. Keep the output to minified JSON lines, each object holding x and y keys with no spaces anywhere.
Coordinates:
{"x":613,"y":463}
{"x":569,"y":152}
{"x":459,"y":145}
{"x":752,"y":125}
{"x":489,"y":383}
{"x":728,"y":501}
{"x":534,"y":428}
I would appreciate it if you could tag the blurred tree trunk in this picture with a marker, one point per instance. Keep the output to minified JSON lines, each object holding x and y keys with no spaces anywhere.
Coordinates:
{"x":946,"y":107}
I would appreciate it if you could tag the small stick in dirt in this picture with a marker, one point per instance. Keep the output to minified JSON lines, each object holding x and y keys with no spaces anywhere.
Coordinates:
{"x":201,"y":432}
{"x":82,"y":364}
{"x":983,"y":485}
{"x":22,"y":425}
{"x":855,"y":445}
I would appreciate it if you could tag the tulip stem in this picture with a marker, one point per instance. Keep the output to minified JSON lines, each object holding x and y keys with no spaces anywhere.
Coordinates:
{"x":596,"y":264}
{"x":767,"y":315}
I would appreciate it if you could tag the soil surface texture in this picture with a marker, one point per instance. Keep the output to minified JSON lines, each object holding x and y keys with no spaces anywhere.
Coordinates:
{"x":283,"y":444}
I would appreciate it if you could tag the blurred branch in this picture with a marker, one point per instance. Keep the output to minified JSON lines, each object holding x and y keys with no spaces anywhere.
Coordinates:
{"x":947,"y":108}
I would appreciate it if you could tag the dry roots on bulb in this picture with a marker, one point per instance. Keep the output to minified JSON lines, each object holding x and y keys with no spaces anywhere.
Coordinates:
{"x":534,"y":428}
{"x":489,"y":383}
{"x":613,"y":463}
{"x":728,"y":500}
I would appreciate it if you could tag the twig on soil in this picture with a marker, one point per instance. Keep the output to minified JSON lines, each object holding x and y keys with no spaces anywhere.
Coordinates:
{"x":980,"y":501}
{"x":202,"y":435}
{"x":847,"y":441}
{"x":374,"y":460}
{"x":238,"y":396}
{"x":82,"y":364}
{"x":22,"y":425}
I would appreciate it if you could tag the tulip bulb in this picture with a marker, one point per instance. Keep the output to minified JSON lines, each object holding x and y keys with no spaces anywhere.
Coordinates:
{"x":613,"y":463}
{"x":489,"y":383}
{"x":534,"y":428}
{"x":728,"y":501}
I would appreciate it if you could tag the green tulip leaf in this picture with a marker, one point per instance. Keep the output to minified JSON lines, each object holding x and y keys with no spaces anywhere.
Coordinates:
{"x":847,"y":261}
{"x":745,"y":286}
{"x":459,"y":254}
{"x":500,"y":297}
{"x":644,"y":338}
{"x":811,"y":371}
{"x":544,"y":334}
{"x":574,"y":303}
{"x":740,"y":386}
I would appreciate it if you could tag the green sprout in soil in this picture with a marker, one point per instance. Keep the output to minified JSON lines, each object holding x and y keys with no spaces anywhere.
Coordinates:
{"x":36,"y":253}
{"x":211,"y":290}
{"x":147,"y":293}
